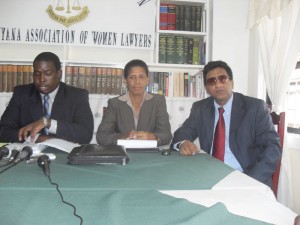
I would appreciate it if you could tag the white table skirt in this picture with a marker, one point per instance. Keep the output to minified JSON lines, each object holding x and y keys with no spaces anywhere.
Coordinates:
{"x":242,"y":196}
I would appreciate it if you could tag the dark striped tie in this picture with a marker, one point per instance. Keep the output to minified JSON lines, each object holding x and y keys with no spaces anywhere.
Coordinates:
{"x":46,"y":110}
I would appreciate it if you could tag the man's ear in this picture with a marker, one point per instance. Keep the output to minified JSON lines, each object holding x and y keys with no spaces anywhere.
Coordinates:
{"x":59,"y":74}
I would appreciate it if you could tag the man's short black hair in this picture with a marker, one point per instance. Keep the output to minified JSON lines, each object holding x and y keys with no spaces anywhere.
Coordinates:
{"x":215,"y":64}
{"x":134,"y":63}
{"x":48,"y":56}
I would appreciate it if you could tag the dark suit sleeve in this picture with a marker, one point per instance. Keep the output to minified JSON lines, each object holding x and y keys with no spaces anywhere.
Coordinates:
{"x":25,"y":107}
{"x":162,"y":123}
{"x":107,"y":131}
{"x":10,"y":120}
{"x":267,"y":148}
{"x":74,"y":118}
{"x":188,"y":130}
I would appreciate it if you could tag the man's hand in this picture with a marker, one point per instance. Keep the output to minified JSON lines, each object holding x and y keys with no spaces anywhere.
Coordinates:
{"x":188,"y":148}
{"x":32,"y":128}
{"x":43,"y":138}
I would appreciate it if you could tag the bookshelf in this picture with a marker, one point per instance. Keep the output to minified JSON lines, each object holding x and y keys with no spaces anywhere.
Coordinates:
{"x":178,"y":105}
{"x":184,"y":40}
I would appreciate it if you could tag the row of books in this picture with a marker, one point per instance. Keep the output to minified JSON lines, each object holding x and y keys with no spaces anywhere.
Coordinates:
{"x":97,"y":80}
{"x":178,"y":49}
{"x":12,"y":75}
{"x":176,"y":84}
{"x":106,"y":80}
{"x":182,"y":17}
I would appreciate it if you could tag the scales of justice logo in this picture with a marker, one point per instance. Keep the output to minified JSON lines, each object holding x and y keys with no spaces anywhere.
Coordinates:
{"x":67,"y":13}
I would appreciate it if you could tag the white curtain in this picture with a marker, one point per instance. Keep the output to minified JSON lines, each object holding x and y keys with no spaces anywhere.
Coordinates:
{"x":277,"y":23}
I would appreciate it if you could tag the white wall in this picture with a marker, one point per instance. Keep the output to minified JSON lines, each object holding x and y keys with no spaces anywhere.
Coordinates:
{"x":230,"y":39}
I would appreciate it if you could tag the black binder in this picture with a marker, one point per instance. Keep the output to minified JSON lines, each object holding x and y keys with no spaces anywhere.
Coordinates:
{"x":93,"y":154}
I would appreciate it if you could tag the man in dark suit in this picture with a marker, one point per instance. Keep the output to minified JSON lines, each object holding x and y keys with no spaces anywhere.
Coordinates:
{"x":67,"y":114}
{"x":251,"y":142}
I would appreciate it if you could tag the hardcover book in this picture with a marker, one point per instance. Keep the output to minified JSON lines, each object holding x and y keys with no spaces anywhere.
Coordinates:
{"x":19,"y":75}
{"x":103,"y":80}
{"x":9,"y":78}
{"x":119,"y":78}
{"x":81,"y":77}
{"x":93,"y":80}
{"x":163,"y":16}
{"x":68,"y":75}
{"x":30,"y":72}
{"x":186,"y":84}
{"x":195,"y":59}
{"x":75,"y":76}
{"x":179,"y":51}
{"x":14,"y":73}
{"x":190,"y":51}
{"x":108,"y":81}
{"x":187,"y":17}
{"x":25,"y":71}
{"x":198,"y":18}
{"x":87,"y":78}
{"x":113,"y":81}
{"x":98,"y":80}
{"x":162,"y":54}
{"x":171,"y":17}
{"x":171,"y":49}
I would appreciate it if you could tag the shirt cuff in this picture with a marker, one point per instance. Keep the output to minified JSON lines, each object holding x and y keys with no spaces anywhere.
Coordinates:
{"x":176,"y":146}
{"x":53,"y":128}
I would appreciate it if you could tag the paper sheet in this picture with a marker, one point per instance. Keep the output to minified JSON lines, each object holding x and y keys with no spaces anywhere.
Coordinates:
{"x":130,"y":143}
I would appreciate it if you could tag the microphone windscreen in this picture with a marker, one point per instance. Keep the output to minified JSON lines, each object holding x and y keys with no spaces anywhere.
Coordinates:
{"x":4,"y":151}
{"x":13,"y":155}
{"x":43,"y":162}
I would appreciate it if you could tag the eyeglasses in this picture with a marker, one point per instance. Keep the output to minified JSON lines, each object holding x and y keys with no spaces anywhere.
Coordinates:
{"x":213,"y":80}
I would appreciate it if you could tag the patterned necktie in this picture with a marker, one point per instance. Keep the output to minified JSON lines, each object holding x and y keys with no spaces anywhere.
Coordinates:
{"x":219,"y":138}
{"x":46,"y":110}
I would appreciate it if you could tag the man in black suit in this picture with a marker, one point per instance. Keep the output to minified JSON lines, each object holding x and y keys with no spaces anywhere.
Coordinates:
{"x":251,"y":142}
{"x":68,"y":115}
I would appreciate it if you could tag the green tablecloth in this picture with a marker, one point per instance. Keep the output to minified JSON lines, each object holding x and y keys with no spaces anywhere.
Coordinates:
{"x":145,"y":171}
{"x":116,"y":194}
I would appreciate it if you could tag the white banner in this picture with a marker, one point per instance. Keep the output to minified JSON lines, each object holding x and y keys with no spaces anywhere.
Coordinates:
{"x":97,"y":23}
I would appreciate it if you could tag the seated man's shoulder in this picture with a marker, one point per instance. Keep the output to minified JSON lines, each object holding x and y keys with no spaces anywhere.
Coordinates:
{"x":75,"y":90}
{"x":251,"y":102}
{"x":24,"y":89}
{"x":158,"y":96}
{"x":249,"y":99}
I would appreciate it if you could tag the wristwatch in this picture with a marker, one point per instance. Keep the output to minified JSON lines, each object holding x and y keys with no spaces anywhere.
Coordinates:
{"x":47,"y":122}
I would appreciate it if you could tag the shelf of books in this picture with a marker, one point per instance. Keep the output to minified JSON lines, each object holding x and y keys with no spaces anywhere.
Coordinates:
{"x":108,"y":79}
{"x":13,"y":74}
{"x":182,"y":32}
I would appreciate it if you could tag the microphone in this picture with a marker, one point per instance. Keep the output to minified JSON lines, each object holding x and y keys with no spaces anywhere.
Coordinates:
{"x":13,"y":155}
{"x":26,"y":152}
{"x":4,"y":151}
{"x":44,"y":162}
{"x":34,"y":158}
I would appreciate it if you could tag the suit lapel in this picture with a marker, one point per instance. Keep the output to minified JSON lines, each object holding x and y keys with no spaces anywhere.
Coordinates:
{"x":59,"y":102}
{"x":145,"y":114}
{"x":237,"y":113}
{"x":210,"y":118}
{"x":36,"y":107}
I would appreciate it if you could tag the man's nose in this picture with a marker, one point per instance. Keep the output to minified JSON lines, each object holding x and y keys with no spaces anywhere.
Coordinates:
{"x":43,"y":77}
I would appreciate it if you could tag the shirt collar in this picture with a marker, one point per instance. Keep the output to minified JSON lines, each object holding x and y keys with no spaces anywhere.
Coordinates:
{"x":52,"y":94}
{"x":126,"y":98}
{"x":227,"y":107}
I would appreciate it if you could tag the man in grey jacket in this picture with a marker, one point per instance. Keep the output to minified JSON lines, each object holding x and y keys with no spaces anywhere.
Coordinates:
{"x":251,"y":142}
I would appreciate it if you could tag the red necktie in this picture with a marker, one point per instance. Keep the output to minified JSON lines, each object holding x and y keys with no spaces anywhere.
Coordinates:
{"x":219,"y":139}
